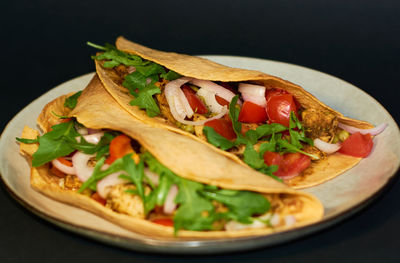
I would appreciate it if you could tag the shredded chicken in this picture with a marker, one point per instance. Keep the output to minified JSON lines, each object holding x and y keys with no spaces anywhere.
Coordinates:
{"x":319,"y":124}
{"x":124,"y":202}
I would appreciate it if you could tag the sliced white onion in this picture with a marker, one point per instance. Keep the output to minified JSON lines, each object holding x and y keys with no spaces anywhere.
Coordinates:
{"x":169,"y":205}
{"x":82,"y":130}
{"x":64,"y":168}
{"x":80,"y":162}
{"x":373,"y":131}
{"x":103,"y":186}
{"x":153,"y":177}
{"x":91,"y":138}
{"x":253,"y":93}
{"x":209,"y":98}
{"x":179,"y":105}
{"x":131,"y":69}
{"x":178,"y":110}
{"x":275,"y":220}
{"x":215,"y":88}
{"x":235,"y":226}
{"x":290,"y":220}
{"x":326,"y":147}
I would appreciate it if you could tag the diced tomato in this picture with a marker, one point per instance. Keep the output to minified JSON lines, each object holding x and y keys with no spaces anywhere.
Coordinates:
{"x":98,"y":198}
{"x":66,"y":120}
{"x":357,"y":145}
{"x":57,"y":172}
{"x":195,"y":102}
{"x":252,"y":113}
{"x":289,"y":164}
{"x":163,"y":221}
{"x":221,"y":101}
{"x":223,"y":127}
{"x":119,"y":147}
{"x":65,"y":161}
{"x":279,"y":106}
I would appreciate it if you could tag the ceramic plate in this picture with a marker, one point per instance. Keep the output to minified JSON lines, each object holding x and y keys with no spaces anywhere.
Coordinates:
{"x":341,"y":196}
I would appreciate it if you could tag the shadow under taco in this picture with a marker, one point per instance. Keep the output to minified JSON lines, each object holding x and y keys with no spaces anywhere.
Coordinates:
{"x":97,"y":157}
{"x":259,"y":120}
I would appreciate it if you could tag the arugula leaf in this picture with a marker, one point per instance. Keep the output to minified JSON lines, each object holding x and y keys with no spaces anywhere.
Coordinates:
{"x":145,"y":100}
{"x":255,"y":160}
{"x":195,"y":212}
{"x":242,"y":204}
{"x":99,"y":174}
{"x":27,"y":141}
{"x":55,"y":143}
{"x":264,"y":130}
{"x":170,"y":75}
{"x":135,"y":173}
{"x":297,"y":136}
{"x":217,"y":139}
{"x":72,"y":100}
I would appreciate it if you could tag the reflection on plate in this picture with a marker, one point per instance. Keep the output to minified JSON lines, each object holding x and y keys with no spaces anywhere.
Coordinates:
{"x":341,"y":196}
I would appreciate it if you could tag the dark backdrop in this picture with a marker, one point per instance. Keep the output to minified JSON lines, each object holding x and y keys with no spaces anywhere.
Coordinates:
{"x":43,"y":45}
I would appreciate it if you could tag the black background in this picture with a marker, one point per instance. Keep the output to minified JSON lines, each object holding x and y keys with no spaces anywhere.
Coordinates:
{"x":43,"y":45}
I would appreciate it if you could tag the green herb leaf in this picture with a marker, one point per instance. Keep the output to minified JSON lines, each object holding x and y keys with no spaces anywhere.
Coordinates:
{"x":217,"y":139}
{"x":27,"y":141}
{"x":195,"y":212}
{"x":170,"y":75}
{"x":71,"y":101}
{"x":135,"y":173}
{"x":242,"y":204}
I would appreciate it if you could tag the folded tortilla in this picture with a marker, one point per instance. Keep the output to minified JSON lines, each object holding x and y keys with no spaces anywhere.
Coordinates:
{"x":200,"y":68}
{"x":187,"y":158}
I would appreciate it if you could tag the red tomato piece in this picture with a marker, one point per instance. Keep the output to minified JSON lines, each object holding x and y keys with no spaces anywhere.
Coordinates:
{"x":163,"y":221}
{"x":223,"y":127}
{"x":98,"y":198}
{"x":357,"y":145}
{"x":252,"y":113}
{"x":290,"y":164}
{"x":195,"y":102}
{"x":119,"y":147}
{"x":222,"y":101}
{"x":65,"y":161}
{"x":279,"y":107}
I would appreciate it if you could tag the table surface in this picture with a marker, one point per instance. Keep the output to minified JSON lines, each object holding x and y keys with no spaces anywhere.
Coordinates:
{"x":358,"y":41}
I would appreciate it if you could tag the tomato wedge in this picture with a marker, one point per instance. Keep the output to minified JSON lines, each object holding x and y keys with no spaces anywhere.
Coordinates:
{"x":290,"y":164}
{"x":65,"y":161}
{"x":222,"y":101}
{"x":98,"y":198}
{"x":223,"y":127}
{"x":195,"y":102}
{"x":357,"y":145}
{"x":279,"y":106}
{"x":252,"y":113}
{"x":119,"y":147}
{"x":163,"y":221}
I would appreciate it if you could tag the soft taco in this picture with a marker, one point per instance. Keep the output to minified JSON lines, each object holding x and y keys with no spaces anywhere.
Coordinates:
{"x":99,"y":158}
{"x":267,"y":123}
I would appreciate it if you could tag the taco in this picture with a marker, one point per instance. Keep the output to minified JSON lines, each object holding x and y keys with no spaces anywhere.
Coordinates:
{"x":99,"y":158}
{"x":267,"y":123}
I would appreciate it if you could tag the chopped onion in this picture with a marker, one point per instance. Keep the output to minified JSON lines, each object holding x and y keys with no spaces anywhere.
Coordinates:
{"x":103,"y":186}
{"x":153,"y":177}
{"x":235,"y":226}
{"x":275,"y":220}
{"x":222,"y":92}
{"x":64,"y":168}
{"x":179,"y":105}
{"x":91,"y":138}
{"x":80,"y":162}
{"x":373,"y":131}
{"x":326,"y":147}
{"x":180,"y":110}
{"x":253,"y":93}
{"x":169,"y":205}
{"x":290,"y":220}
{"x":131,"y":69}
{"x":82,"y":130}
{"x":210,"y":100}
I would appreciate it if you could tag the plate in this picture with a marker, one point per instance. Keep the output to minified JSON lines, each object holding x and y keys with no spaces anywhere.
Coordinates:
{"x":341,"y":196}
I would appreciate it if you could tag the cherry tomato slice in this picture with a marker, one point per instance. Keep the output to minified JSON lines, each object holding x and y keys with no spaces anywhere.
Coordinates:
{"x":163,"y":221}
{"x":98,"y":198}
{"x":195,"y":102}
{"x":357,"y":145}
{"x":222,"y":101}
{"x":279,"y":107}
{"x":290,"y":164}
{"x":223,"y":127}
{"x":252,"y":113}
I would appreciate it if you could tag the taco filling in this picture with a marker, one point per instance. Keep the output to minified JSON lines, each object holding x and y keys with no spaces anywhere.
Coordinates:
{"x":124,"y":177}
{"x":264,"y":126}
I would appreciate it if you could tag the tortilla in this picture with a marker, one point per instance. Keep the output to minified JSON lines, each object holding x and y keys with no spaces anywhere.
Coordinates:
{"x":96,"y":109}
{"x":200,"y":68}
